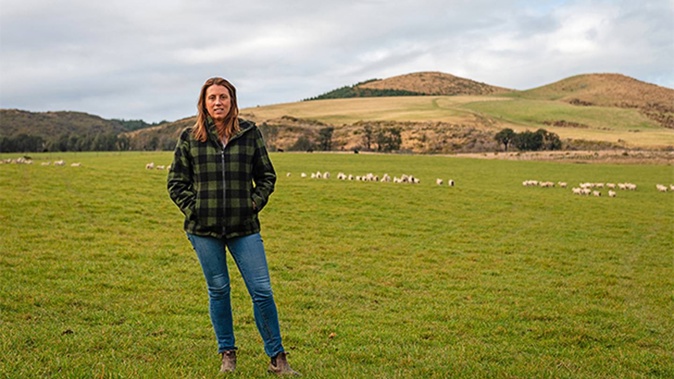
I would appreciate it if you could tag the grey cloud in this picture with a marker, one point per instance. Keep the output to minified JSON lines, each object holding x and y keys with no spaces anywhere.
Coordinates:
{"x":130,"y":59}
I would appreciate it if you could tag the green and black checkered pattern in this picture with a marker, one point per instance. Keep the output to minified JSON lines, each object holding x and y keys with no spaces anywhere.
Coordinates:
{"x":215,"y":188}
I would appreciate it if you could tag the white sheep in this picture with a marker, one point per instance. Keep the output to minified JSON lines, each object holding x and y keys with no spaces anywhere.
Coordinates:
{"x":596,"y":193}
{"x":562,"y":184}
{"x":438,"y":181}
{"x":59,"y":163}
{"x":577,"y":190}
{"x":77,"y":164}
{"x":661,"y":188}
{"x":611,"y":193}
{"x":450,"y":182}
{"x":149,"y":166}
{"x":303,"y":175}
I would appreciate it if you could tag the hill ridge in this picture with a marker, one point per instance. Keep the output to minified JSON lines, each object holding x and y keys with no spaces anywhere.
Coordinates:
{"x":434,"y":83}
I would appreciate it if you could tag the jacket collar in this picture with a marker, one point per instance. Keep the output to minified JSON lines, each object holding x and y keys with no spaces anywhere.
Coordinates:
{"x":244,"y":127}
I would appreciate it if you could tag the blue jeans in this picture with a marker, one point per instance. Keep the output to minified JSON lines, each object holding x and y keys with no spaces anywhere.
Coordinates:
{"x":249,"y":256}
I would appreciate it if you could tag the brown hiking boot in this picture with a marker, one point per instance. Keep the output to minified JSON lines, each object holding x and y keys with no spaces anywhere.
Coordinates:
{"x":228,"y":361}
{"x":279,"y":366}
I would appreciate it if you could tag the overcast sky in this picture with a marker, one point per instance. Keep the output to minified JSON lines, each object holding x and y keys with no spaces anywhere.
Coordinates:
{"x":147,"y":59}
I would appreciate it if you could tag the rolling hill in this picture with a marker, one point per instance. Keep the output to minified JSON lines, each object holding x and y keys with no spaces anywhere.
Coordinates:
{"x":610,"y":90}
{"x":443,"y":114}
{"x":434,"y":83}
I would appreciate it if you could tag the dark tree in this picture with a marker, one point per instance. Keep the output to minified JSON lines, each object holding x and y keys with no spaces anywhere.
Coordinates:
{"x":325,"y":138}
{"x":389,"y":139}
{"x":504,"y":137}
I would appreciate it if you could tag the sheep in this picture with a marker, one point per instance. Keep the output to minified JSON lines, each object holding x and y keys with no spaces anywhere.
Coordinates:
{"x":341,"y":176}
{"x":562,"y":184}
{"x":160,"y":167}
{"x":577,"y":190}
{"x":149,"y":166}
{"x":671,"y":187}
{"x":326,"y":175}
{"x":303,"y":175}
{"x":596,"y":193}
{"x":610,"y":185}
{"x":611,"y":193}
{"x":386,"y":178}
{"x":59,"y":163}
{"x":45,"y":163}
{"x":661,"y":187}
{"x":77,"y":164}
{"x":450,"y":182}
{"x":438,"y":181}
{"x":287,"y":174}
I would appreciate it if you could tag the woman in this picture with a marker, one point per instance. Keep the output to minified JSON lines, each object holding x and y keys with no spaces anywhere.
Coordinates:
{"x":220,"y":178}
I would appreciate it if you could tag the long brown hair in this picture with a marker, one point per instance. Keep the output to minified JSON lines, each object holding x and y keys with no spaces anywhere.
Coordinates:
{"x":231,"y":121}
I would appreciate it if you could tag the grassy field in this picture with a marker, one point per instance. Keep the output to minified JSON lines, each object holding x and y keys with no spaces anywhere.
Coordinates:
{"x":488,"y":279}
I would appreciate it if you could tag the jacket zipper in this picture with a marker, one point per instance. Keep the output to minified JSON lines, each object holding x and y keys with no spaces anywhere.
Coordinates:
{"x":224,"y":189}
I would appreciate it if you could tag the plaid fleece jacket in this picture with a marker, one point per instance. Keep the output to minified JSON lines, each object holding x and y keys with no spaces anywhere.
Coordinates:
{"x":215,"y":187}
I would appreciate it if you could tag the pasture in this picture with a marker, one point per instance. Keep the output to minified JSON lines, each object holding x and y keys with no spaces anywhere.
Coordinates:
{"x":622,"y":126}
{"x":487,"y":279}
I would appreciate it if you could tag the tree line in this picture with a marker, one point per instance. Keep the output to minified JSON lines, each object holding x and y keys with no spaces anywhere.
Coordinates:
{"x":64,"y":142}
{"x":528,"y":141}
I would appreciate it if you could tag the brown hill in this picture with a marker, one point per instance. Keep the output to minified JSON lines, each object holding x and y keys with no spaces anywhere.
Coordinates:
{"x":611,"y":90}
{"x":48,"y":124}
{"x":434,"y":83}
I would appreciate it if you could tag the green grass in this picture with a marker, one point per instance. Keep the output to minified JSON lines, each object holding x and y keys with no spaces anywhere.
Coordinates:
{"x":373,"y":280}
{"x":536,"y":112}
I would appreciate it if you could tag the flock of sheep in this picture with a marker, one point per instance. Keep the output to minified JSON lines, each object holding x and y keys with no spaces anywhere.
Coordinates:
{"x":594,"y":189}
{"x":24,"y":160}
{"x":152,"y":166}
{"x":370,"y":177}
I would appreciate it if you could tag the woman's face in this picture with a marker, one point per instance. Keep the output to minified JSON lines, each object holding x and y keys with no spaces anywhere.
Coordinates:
{"x":218,"y":102}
